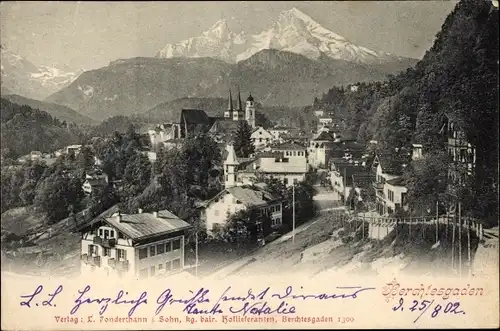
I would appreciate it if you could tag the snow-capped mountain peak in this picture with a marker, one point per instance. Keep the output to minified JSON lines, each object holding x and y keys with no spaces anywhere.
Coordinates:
{"x":293,"y":31}
{"x":22,"y":77}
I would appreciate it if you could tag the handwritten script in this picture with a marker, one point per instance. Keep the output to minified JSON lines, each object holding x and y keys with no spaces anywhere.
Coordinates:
{"x":203,"y":301}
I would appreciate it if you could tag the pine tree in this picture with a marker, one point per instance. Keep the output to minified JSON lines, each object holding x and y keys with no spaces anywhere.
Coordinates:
{"x":243,"y":145}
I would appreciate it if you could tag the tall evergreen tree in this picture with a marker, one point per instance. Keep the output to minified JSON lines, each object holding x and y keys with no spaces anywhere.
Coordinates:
{"x":243,"y":145}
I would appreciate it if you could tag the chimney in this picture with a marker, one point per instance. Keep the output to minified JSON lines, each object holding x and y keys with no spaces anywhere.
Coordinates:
{"x":155,"y":214}
{"x":119,"y":217}
{"x":139,"y":211}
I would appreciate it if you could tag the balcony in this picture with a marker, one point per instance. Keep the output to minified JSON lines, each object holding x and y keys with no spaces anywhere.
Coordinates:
{"x":91,"y":260}
{"x":118,"y":265}
{"x":378,"y":186}
{"x":107,"y":243}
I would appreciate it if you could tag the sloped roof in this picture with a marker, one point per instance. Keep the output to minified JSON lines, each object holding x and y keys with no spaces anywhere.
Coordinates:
{"x":362,"y":180}
{"x":347,"y":170}
{"x":294,"y":165}
{"x":398,"y":181}
{"x":224,"y":126}
{"x":323,"y":135}
{"x":288,"y":146}
{"x":348,"y":136}
{"x":140,"y":226}
{"x":195,"y":116}
{"x":391,"y":163}
{"x":251,"y":196}
{"x":96,"y":181}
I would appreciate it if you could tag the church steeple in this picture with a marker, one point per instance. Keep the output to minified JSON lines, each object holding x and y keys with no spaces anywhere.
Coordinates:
{"x":240,"y":107}
{"x":230,"y":102}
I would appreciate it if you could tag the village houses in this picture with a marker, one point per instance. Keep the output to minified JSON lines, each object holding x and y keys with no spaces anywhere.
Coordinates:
{"x":261,"y":138}
{"x":389,"y":187}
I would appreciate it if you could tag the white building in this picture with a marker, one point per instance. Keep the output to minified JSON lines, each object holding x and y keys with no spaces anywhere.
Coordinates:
{"x":73,"y":149}
{"x":239,"y":171}
{"x":395,"y":195}
{"x":341,"y":178}
{"x":388,"y":185}
{"x":261,"y":138}
{"x":35,"y":155}
{"x":143,"y":244}
{"x":216,"y":211}
{"x":162,"y":133}
{"x":277,"y":131}
{"x":319,"y":146}
{"x":290,"y":149}
{"x":319,"y":112}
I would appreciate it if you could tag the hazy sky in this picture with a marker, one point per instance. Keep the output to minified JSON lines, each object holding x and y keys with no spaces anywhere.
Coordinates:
{"x":91,"y":34}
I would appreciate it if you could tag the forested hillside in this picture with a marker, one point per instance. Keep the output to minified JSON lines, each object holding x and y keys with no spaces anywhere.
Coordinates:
{"x":24,"y":129}
{"x":458,"y":76}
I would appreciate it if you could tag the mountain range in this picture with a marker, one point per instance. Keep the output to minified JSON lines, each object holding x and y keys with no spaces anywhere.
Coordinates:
{"x":21,"y":76}
{"x":287,"y":64}
{"x":293,"y":31}
{"x":274,"y":77}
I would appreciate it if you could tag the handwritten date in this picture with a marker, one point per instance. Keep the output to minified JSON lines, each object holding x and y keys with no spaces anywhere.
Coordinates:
{"x":424,"y":305}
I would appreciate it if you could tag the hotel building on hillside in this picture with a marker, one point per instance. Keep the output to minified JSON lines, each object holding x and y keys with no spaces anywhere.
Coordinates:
{"x":142,"y":244}
{"x":241,"y":171}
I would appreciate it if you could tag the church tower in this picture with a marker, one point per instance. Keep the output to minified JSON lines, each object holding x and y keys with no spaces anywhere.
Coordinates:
{"x":238,"y":113}
{"x":250,"y":111}
{"x":230,"y":167}
{"x":229,"y":112}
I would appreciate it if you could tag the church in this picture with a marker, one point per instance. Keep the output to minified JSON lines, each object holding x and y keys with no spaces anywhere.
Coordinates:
{"x":224,"y":127}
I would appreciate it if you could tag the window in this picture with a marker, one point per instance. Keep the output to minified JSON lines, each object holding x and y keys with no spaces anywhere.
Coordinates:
{"x":106,"y":234}
{"x":176,"y":264}
{"x":152,"y":271}
{"x":278,"y":208}
{"x":176,"y":244}
{"x":143,"y":253}
{"x":152,"y":250}
{"x":92,"y":250}
{"x":160,"y":249}
{"x":160,"y":267}
{"x":285,"y":181}
{"x":106,"y":251}
{"x":143,"y":273}
{"x":100,"y":232}
{"x":168,"y":246}
{"x":112,"y":234}
{"x":121,"y":254}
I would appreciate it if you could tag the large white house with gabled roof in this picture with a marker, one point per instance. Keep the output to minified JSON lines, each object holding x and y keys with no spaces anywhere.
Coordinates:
{"x":216,"y":211}
{"x":142,"y":244}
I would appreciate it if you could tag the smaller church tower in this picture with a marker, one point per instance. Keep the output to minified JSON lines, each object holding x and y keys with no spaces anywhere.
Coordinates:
{"x":230,"y":167}
{"x":229,"y":111}
{"x":238,"y":113}
{"x":250,"y":111}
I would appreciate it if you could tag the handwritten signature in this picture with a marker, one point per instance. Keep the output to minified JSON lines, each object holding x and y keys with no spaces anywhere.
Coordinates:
{"x":254,"y":302}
